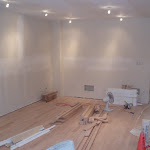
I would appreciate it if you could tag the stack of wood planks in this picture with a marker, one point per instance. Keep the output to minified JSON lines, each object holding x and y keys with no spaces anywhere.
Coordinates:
{"x":88,"y":135}
{"x":25,"y":137}
{"x":68,"y":114}
{"x":87,"y":114}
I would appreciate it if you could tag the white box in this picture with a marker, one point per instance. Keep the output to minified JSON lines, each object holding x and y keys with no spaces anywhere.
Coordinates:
{"x":121,"y":95}
{"x":146,"y":129}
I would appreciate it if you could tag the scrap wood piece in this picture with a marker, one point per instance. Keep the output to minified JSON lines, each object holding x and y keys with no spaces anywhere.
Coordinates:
{"x":67,"y":114}
{"x":94,"y":133}
{"x":83,"y":114}
{"x":62,"y":104}
{"x":71,"y":112}
{"x":80,"y":140}
{"x":90,"y":137}
{"x":91,"y":120}
{"x":93,"y":136}
{"x":103,"y":121}
{"x":89,"y":131}
{"x":66,"y":104}
{"x":90,"y":111}
{"x":82,"y":143}
{"x":87,"y":114}
{"x":91,"y":126}
{"x":84,"y":137}
{"x":97,"y":108}
{"x":72,"y":105}
{"x":103,"y":118}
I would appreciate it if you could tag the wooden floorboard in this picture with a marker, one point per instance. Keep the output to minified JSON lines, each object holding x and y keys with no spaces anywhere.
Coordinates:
{"x":115,"y":135}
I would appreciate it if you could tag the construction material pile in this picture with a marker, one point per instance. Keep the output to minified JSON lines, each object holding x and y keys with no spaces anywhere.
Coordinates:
{"x":86,"y":115}
{"x":68,"y":114}
{"x":93,"y":123}
{"x":25,"y":137}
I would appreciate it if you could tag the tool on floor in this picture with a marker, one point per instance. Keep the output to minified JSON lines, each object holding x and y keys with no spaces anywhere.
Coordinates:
{"x":129,"y":112}
{"x":109,"y":100}
{"x":127,"y":105}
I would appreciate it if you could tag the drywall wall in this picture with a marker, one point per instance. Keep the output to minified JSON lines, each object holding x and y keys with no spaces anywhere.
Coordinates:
{"x":25,"y":60}
{"x":106,"y":54}
{"x":38,"y":56}
{"x":56,"y":55}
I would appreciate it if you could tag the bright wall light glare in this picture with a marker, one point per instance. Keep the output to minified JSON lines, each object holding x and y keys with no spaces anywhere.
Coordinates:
{"x":109,"y":11}
{"x":121,"y":19}
{"x":70,"y":21}
{"x":7,"y":5}
{"x":46,"y":15}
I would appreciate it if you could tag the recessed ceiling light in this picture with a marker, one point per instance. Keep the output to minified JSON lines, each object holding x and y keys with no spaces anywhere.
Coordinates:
{"x":46,"y":15}
{"x":121,"y":19}
{"x":109,"y":11}
{"x":7,"y":5}
{"x":70,"y":21}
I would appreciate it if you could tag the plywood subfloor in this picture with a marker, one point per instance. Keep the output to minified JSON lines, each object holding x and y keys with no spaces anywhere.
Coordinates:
{"x":115,"y":135}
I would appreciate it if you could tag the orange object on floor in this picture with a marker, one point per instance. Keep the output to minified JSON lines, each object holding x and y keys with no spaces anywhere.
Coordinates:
{"x":141,"y":143}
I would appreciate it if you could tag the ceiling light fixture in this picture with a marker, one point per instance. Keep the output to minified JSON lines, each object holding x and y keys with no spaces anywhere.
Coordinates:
{"x":121,"y":19}
{"x":46,"y":15}
{"x":7,"y":5}
{"x":109,"y":11}
{"x":70,"y":21}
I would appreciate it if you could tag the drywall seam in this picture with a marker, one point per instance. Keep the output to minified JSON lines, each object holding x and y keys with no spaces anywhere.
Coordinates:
{"x":20,"y":30}
{"x":61,"y":61}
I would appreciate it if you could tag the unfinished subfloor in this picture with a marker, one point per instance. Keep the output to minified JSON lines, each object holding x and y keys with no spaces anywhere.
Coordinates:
{"x":114,"y":135}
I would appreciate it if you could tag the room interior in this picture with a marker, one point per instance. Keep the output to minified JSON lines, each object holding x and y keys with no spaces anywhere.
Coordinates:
{"x":82,"y":49}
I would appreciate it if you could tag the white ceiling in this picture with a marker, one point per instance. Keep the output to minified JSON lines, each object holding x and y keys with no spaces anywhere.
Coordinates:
{"x":81,"y":9}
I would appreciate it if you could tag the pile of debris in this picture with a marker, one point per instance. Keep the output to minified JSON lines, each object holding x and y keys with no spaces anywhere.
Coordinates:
{"x":92,"y":118}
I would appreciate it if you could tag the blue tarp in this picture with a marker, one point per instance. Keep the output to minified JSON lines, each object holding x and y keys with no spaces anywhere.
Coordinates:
{"x":66,"y":145}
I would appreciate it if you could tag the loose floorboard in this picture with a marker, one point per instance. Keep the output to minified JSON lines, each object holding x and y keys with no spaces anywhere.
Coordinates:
{"x":115,"y":135}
